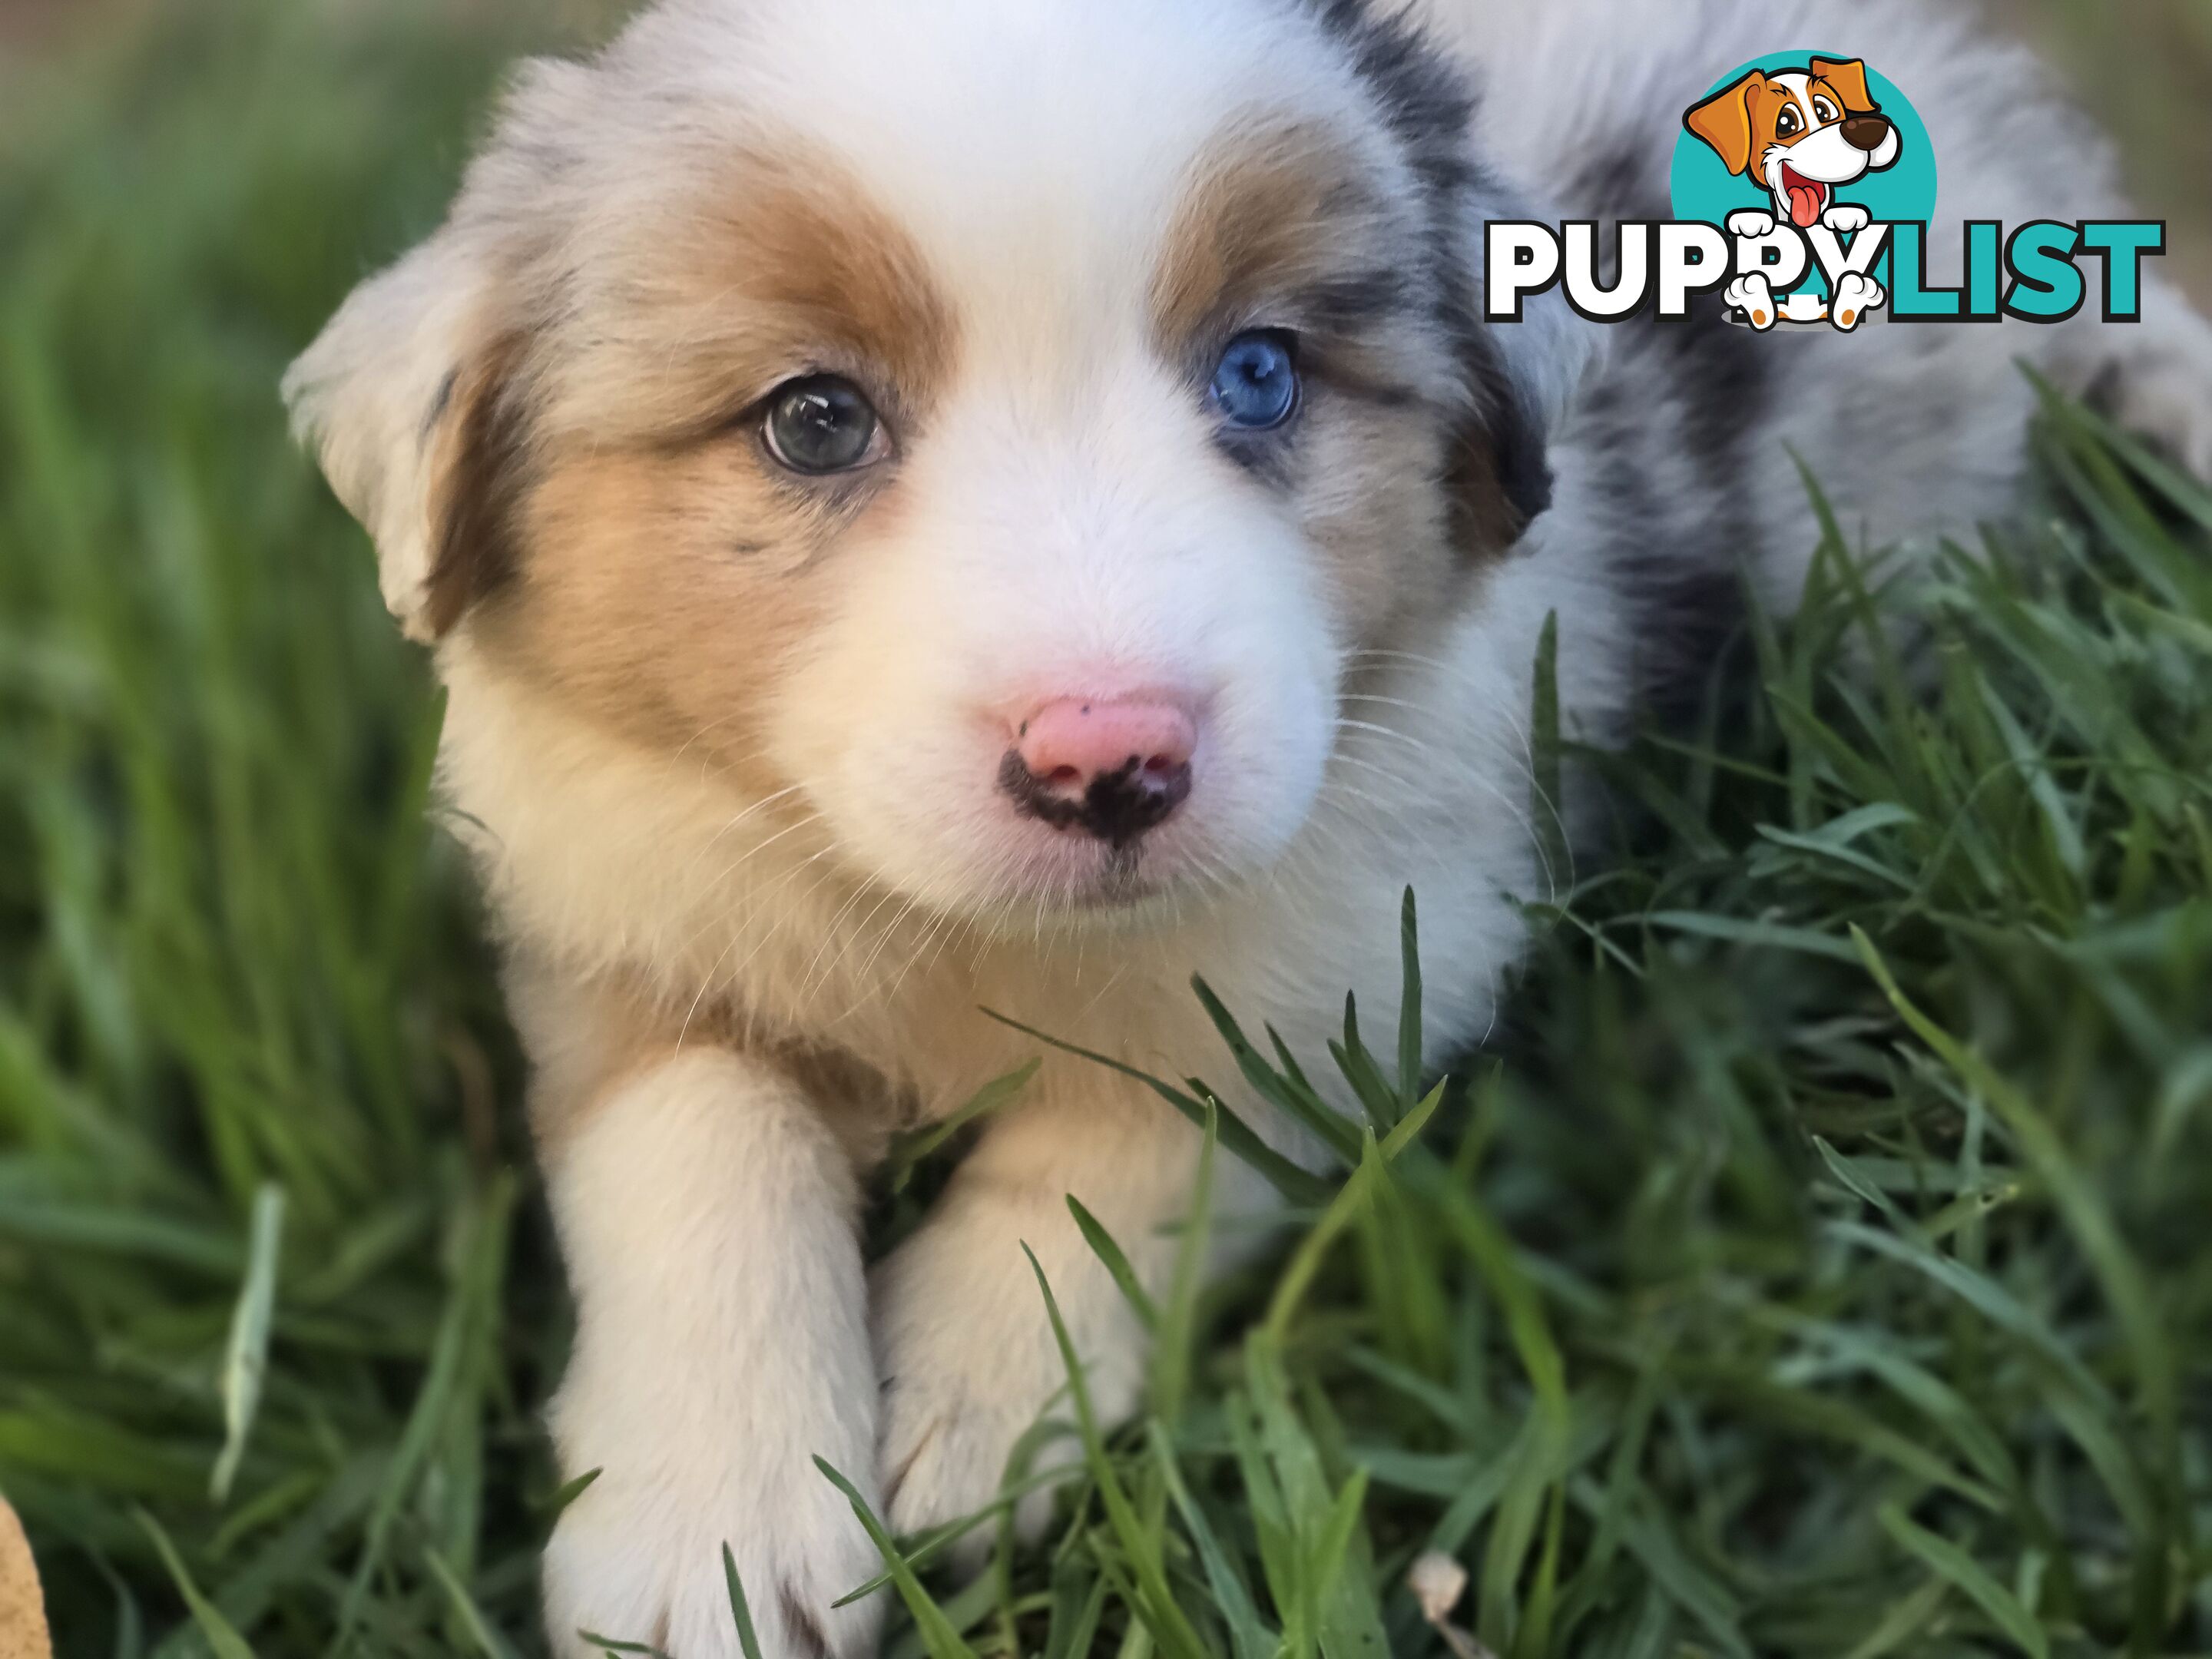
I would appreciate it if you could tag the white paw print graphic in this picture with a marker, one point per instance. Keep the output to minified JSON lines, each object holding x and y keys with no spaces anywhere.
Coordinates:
{"x":1854,"y":296}
{"x":1754,"y":297}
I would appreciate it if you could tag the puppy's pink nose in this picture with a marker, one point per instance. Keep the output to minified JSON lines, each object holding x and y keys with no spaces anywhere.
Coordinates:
{"x":1112,"y":766}
{"x":1074,"y":740}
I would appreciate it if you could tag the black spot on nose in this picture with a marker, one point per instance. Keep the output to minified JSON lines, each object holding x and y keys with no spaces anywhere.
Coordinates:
{"x":1115,"y":806}
{"x":1865,"y":132}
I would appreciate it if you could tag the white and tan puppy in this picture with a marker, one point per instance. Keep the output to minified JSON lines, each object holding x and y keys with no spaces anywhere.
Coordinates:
{"x":1005,"y":503}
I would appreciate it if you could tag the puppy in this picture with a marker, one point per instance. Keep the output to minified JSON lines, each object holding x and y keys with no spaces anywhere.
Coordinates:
{"x":925,"y":508}
{"x":1801,"y":132}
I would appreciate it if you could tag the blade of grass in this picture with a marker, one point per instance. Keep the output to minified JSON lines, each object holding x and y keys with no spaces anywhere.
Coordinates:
{"x":1960,"y":1569}
{"x":910,"y":1151}
{"x":245,"y":1361}
{"x":1163,"y":1615}
{"x":939,"y":1639}
{"x":1285,"y":1176}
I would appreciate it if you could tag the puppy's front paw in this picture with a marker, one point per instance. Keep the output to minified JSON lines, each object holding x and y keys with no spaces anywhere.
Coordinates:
{"x":1753,"y":296}
{"x":1846,"y":218}
{"x":642,"y":1562}
{"x":721,"y":1346}
{"x":1854,"y":297}
{"x":970,"y":1363}
{"x":1751,"y":222}
{"x":949,"y":1434}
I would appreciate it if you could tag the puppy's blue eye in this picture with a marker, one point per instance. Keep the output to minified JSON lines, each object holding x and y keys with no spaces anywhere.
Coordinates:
{"x":821,"y":423}
{"x":1256,"y":385}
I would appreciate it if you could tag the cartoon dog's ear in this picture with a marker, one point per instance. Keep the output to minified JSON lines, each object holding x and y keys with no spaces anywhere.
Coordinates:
{"x":1848,"y":77}
{"x":408,"y":399}
{"x":1724,"y":121}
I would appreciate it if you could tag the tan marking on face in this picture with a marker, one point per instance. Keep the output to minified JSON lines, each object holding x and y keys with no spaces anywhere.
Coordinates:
{"x":1274,"y":209}
{"x":779,"y":265}
{"x":1378,"y":492}
{"x":662,"y":592}
{"x":668,"y":567}
{"x":1296,"y":224}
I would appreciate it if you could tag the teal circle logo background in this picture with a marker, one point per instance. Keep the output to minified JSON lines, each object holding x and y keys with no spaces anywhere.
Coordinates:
{"x":1704,"y":188}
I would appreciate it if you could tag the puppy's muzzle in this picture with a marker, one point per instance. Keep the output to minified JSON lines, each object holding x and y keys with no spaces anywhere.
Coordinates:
{"x":1866,"y":132}
{"x":1112,"y":768}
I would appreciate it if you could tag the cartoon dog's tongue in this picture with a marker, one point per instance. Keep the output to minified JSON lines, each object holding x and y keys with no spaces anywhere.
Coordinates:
{"x":1805,"y":197}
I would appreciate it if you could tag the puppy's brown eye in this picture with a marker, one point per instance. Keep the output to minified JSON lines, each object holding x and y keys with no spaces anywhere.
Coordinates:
{"x":821,"y":424}
{"x":1824,"y":110}
{"x":1786,"y":124}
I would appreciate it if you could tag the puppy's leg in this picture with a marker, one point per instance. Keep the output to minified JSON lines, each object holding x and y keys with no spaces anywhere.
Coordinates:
{"x":707,"y":1216}
{"x":963,"y":1339}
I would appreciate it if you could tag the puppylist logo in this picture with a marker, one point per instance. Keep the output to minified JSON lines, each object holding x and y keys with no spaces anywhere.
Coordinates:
{"x":1803,"y":187}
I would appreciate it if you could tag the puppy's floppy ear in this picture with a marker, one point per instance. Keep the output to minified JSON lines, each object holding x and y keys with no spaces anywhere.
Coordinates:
{"x":1848,"y":77}
{"x":1521,"y":381}
{"x":1523,"y":378}
{"x":409,"y":400}
{"x":1724,"y":121}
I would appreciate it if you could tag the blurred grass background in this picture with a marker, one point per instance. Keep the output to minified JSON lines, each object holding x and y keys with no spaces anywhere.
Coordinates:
{"x":1752,"y":1319}
{"x":2144,"y":68}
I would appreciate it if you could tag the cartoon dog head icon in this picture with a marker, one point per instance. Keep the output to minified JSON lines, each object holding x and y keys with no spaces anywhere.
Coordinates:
{"x":1800,"y":132}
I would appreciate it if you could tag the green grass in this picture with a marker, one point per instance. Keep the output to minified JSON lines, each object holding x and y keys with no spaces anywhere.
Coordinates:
{"x":1817,"y":1267}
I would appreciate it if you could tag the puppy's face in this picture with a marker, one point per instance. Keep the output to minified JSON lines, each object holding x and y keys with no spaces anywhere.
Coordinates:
{"x":985,"y":437}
